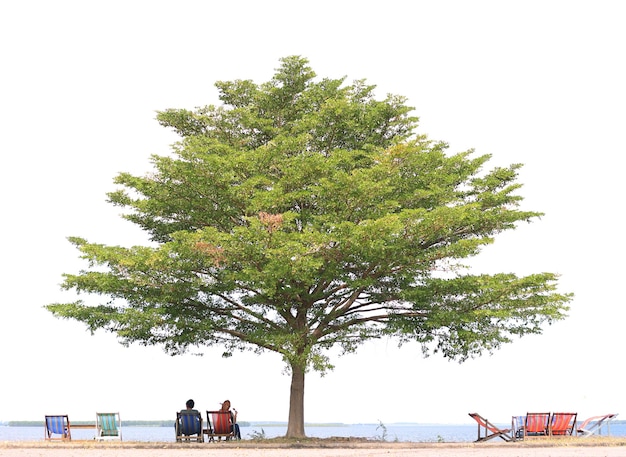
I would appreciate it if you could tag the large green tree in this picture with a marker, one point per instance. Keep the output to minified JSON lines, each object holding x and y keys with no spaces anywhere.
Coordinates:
{"x":304,"y":214}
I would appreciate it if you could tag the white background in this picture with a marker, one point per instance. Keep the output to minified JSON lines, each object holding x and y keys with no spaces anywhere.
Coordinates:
{"x":536,"y":82}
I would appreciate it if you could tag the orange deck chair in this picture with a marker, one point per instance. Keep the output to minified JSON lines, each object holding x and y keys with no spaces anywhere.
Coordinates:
{"x":490,"y":430}
{"x":537,"y":424}
{"x":563,"y":424}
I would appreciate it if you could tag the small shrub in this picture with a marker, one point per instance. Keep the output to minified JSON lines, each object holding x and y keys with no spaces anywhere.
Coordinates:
{"x":257,"y":436}
{"x":383,"y":435}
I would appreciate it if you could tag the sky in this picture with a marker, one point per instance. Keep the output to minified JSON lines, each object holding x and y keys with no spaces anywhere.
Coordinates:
{"x":535,"y":82}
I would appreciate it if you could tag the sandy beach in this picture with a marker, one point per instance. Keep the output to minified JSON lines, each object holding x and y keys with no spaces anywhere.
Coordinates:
{"x":578,"y":448}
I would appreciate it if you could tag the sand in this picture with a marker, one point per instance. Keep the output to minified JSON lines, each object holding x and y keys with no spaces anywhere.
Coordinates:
{"x":573,"y":448}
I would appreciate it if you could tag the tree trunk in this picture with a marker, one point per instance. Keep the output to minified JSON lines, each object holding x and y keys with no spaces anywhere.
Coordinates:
{"x":295,"y":427}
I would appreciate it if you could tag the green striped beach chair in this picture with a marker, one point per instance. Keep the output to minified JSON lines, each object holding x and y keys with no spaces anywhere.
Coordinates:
{"x":108,"y":426}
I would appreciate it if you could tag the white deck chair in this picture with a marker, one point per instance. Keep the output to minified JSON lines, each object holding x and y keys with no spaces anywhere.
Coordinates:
{"x":594,"y":425}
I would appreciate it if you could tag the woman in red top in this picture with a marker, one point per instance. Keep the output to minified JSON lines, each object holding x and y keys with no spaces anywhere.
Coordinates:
{"x":233,"y":418}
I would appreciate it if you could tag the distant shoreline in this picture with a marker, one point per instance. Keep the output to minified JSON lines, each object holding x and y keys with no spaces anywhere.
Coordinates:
{"x":170,"y":423}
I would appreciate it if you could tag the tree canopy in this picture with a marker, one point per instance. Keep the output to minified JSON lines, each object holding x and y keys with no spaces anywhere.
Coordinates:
{"x":303,"y":214}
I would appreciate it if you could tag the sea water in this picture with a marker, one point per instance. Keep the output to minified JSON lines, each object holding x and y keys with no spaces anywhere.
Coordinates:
{"x":391,"y":432}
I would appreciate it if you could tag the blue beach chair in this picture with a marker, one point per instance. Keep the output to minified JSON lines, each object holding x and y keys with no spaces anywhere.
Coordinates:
{"x":57,"y":425}
{"x":189,"y":426}
{"x":517,"y":427}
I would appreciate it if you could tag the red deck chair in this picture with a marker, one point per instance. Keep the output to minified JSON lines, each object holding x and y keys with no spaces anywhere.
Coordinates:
{"x":563,"y":424}
{"x":537,"y":424}
{"x":490,"y":430}
{"x":219,"y":425}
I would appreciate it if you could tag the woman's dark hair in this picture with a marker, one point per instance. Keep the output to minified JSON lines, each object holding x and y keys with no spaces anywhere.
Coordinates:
{"x":190,"y":404}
